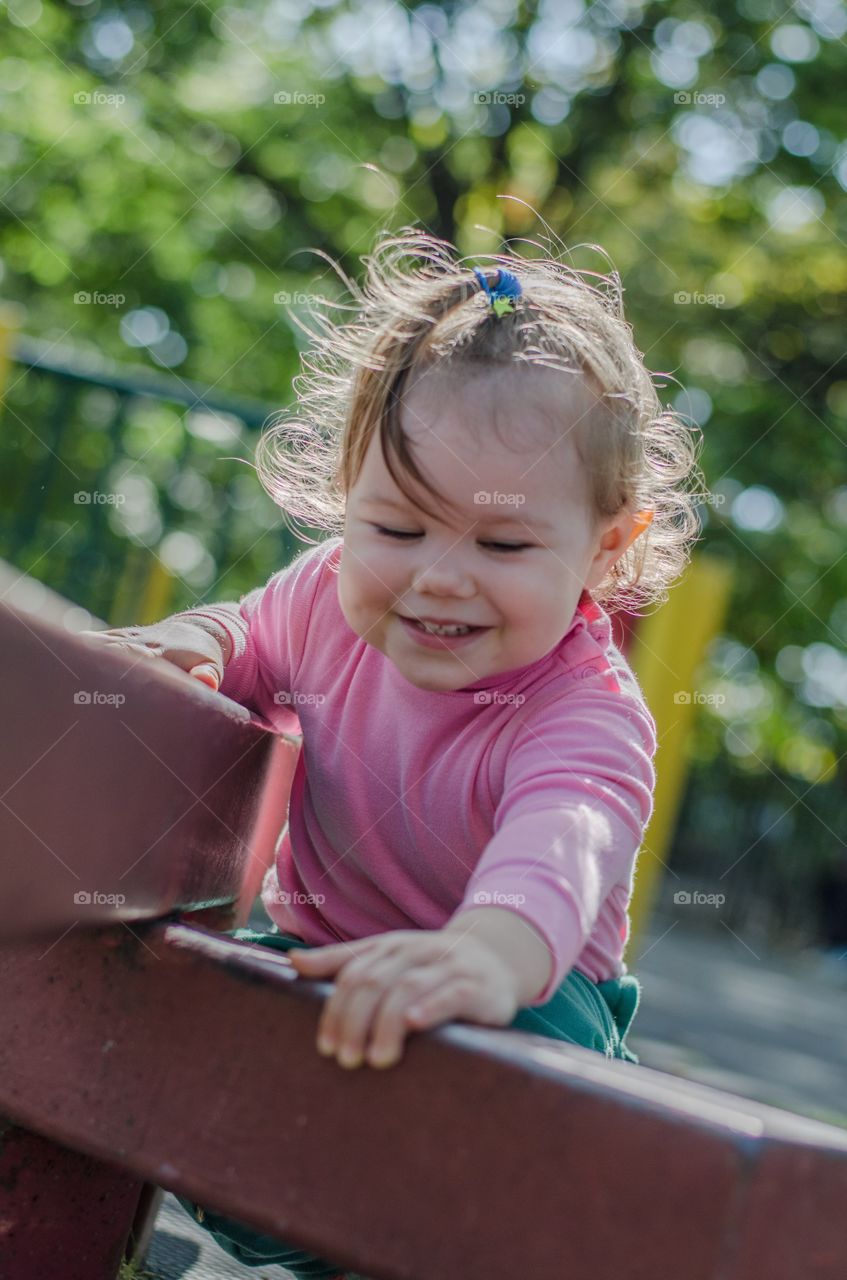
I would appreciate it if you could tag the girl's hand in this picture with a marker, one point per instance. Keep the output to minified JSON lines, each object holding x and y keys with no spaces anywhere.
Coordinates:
{"x":186,"y":644}
{"x":402,"y":981}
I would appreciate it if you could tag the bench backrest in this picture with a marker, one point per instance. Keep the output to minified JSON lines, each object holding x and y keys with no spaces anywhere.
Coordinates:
{"x":129,"y":789}
{"x":139,"y":1051}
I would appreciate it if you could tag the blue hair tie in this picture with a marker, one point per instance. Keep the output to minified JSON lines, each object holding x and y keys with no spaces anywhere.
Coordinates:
{"x":506,"y":290}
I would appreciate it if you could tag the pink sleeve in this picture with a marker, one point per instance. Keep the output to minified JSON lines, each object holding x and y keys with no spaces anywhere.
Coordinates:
{"x":268,"y":630}
{"x":578,"y":795}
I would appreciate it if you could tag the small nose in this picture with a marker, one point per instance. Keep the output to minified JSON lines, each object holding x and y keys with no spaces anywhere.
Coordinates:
{"x":445,"y":574}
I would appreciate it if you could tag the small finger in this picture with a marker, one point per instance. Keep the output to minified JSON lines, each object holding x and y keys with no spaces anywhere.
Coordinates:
{"x":392,"y":1022}
{"x":135,"y":646}
{"x":372,"y":974}
{"x":354,"y":1024}
{"x":326,"y":959}
{"x":330,"y":1020}
{"x":338,"y":1029}
{"x":206,"y":673}
{"x":134,"y":650}
{"x":441,"y":1004}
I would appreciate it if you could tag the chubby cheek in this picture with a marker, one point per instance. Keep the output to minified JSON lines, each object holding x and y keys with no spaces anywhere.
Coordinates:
{"x":542,"y":615}
{"x":561,"y":609}
{"x":364,"y":601}
{"x":520,"y":599}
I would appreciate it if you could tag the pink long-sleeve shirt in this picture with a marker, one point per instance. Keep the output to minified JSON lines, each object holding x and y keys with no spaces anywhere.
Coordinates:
{"x":529,"y":790}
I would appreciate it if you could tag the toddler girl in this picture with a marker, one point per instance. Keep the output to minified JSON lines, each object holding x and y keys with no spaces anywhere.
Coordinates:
{"x":491,"y":457}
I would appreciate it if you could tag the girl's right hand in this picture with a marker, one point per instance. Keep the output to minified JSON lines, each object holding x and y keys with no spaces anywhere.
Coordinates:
{"x":186,"y":644}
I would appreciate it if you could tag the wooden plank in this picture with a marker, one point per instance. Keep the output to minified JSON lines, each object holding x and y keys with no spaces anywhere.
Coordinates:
{"x":148,"y":794}
{"x":64,"y":1215}
{"x":793,"y":1226}
{"x":487,"y":1155}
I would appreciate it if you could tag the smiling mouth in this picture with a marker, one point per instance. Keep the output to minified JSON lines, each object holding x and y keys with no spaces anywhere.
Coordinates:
{"x":447,"y":629}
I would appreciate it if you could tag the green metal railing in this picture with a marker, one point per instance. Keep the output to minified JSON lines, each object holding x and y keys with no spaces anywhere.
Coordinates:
{"x":123,"y":490}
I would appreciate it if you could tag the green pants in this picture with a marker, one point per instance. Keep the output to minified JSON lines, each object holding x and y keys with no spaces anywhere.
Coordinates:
{"x":594,"y":1015}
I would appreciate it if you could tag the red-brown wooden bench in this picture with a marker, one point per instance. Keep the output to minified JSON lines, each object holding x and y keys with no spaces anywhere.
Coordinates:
{"x":141,"y":1049}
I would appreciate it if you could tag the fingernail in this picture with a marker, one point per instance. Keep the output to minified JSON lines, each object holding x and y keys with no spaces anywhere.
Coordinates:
{"x":349,"y":1057}
{"x":381,"y":1057}
{"x":326,"y":1046}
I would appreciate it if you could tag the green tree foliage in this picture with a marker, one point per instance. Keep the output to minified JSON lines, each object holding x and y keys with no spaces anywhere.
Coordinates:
{"x":184,"y":157}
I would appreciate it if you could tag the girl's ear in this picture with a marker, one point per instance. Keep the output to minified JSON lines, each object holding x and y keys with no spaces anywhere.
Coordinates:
{"x":625,"y":530}
{"x":640,"y":521}
{"x":616,"y":540}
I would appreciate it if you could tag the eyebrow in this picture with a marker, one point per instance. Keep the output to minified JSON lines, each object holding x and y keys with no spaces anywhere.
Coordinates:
{"x":488,"y":515}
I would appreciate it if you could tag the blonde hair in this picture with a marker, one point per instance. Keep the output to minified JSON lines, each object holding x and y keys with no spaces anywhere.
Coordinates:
{"x":422,"y":309}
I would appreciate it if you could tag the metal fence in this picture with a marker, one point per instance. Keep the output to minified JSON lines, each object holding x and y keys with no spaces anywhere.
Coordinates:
{"x":129,"y":493}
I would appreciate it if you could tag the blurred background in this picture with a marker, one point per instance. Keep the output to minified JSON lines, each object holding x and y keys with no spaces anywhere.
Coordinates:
{"x":172,"y":175}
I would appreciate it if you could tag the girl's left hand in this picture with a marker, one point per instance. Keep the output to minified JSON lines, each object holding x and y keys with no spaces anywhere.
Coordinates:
{"x":402,"y":981}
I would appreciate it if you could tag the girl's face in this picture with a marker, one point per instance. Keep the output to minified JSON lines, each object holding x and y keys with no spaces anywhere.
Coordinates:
{"x":513,"y":554}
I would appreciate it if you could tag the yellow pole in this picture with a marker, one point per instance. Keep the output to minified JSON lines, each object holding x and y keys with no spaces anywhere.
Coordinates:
{"x":158,"y":591}
{"x":668,"y":648}
{"x":143,"y":592}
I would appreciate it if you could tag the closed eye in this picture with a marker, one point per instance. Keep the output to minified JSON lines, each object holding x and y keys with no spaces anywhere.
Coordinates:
{"x":395,"y":533}
{"x":495,"y":546}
